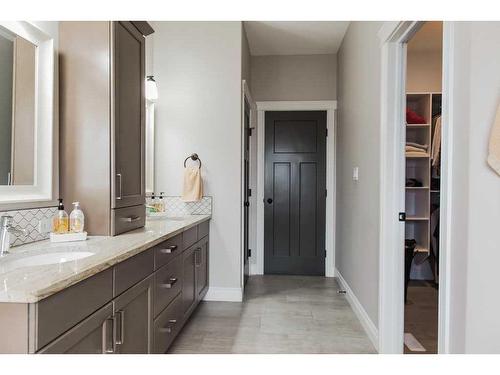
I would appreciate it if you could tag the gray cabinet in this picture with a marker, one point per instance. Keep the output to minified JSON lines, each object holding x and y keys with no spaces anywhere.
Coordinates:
{"x":92,"y":336}
{"x":189,"y":281}
{"x":133,"y":319}
{"x":128,"y":127}
{"x":103,"y":109}
{"x":202,"y":268}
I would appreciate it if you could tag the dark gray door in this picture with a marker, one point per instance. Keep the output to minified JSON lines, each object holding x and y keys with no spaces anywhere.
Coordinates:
{"x":134,"y":319}
{"x":129,"y":112}
{"x":202,"y":268}
{"x":295,"y":192}
{"x":188,"y":280}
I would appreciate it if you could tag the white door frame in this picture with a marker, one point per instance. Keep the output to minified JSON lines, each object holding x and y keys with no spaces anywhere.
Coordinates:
{"x":393,"y":36}
{"x":330,"y":106}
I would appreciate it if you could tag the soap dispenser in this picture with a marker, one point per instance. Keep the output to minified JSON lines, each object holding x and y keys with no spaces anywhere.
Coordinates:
{"x":76,"y":219}
{"x":60,"y":222}
{"x":161,"y":204}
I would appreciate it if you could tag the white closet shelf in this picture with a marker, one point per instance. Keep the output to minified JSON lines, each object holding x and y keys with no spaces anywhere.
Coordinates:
{"x":417,"y":187}
{"x":417,"y":125}
{"x":416,"y":156}
{"x":417,"y":218}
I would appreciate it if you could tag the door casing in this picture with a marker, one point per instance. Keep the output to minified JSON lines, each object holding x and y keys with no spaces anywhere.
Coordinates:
{"x":330,"y":106}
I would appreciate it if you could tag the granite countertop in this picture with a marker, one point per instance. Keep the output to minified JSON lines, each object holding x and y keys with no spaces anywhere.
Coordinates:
{"x":24,"y":283}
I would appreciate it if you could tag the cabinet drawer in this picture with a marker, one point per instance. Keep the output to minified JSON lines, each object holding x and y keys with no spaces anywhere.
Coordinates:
{"x":127,"y":219}
{"x":168,"y":284}
{"x":166,"y":251}
{"x":62,"y":311}
{"x":203,"y":230}
{"x":190,"y":236}
{"x":167,"y":325}
{"x":133,"y":270}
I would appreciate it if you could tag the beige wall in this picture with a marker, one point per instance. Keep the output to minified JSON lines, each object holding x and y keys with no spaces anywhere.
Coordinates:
{"x":423,"y":71}
{"x":358,"y":145}
{"x":197,"y":66}
{"x":307,"y":77}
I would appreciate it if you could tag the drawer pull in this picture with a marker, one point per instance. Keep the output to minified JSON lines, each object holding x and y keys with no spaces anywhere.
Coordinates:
{"x":169,"y":249}
{"x":169,"y":285}
{"x":131,"y":219}
{"x":168,"y":329}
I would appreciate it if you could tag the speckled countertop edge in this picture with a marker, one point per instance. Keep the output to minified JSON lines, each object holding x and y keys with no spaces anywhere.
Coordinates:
{"x":32,"y":284}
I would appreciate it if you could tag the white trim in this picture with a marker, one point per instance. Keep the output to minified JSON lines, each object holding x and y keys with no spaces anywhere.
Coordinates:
{"x":224,"y":294}
{"x":330,"y":107}
{"x":43,"y":191}
{"x":392,"y":196}
{"x":368,"y":325}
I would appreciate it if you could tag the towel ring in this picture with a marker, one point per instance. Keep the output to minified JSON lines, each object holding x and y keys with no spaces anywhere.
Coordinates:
{"x":193,"y":157}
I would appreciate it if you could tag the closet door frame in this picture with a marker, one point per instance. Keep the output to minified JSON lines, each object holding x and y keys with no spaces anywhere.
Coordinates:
{"x":393,"y":38}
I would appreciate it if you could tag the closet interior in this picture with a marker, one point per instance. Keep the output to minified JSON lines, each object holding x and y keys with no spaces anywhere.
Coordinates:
{"x":422,"y":188}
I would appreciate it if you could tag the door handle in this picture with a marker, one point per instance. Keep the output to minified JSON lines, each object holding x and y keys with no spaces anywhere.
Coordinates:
{"x":170,"y":284}
{"x":169,"y":328}
{"x":119,"y":175}
{"x":169,"y":249}
{"x":269,"y":200}
{"x":120,"y":339}
{"x":131,"y":219}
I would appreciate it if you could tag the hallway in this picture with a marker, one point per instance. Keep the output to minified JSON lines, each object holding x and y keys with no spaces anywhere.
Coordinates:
{"x":280,"y":314}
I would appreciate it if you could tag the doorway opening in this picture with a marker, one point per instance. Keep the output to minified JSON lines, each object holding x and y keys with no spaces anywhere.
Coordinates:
{"x":422,"y":187}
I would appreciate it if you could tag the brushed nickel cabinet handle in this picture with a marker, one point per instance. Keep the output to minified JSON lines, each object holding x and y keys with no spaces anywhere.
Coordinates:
{"x":119,"y":175}
{"x":131,"y":219}
{"x":106,"y":338}
{"x":169,"y":328}
{"x":169,"y":285}
{"x":120,"y":339}
{"x":169,"y":249}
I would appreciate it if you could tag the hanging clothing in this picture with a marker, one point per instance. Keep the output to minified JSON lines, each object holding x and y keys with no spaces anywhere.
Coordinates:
{"x":494,"y":149}
{"x":436,"y":143}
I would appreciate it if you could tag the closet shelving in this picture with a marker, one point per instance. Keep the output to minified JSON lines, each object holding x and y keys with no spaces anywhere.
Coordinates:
{"x":418,"y":167}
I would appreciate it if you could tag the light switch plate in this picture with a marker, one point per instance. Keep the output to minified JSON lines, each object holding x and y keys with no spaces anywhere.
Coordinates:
{"x":45,"y":226}
{"x":355,"y":174}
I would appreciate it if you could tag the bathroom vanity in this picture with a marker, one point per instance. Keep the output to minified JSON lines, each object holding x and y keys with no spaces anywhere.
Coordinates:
{"x":127,"y":294}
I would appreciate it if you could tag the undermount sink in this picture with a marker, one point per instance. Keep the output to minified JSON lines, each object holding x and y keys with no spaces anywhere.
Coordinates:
{"x":43,"y":260}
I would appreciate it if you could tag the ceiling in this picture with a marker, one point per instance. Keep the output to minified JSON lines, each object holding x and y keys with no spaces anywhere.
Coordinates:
{"x":294,"y":37}
{"x":428,"y":38}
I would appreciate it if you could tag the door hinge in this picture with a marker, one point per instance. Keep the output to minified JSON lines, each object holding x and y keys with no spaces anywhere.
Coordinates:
{"x":326,"y":193}
{"x":402,"y":216}
{"x":249,"y":192}
{"x":249,"y":252}
{"x":326,"y":132}
{"x":325,"y":253}
{"x":250,"y":131}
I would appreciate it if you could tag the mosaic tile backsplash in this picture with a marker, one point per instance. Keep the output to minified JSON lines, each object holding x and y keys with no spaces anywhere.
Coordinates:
{"x":28,"y":219}
{"x":176,"y":207}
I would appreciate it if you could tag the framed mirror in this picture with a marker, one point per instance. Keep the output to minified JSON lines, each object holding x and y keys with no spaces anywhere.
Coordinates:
{"x":28,"y":169}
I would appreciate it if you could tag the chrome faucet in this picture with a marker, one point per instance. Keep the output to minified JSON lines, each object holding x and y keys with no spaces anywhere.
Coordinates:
{"x":6,"y":229}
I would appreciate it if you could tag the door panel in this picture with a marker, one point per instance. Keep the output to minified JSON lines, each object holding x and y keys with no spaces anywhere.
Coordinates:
{"x":134,"y":316}
{"x":202,"y":269}
{"x":129,"y":112}
{"x":92,"y":336}
{"x":295,"y":192}
{"x":188,"y":281}
{"x":246,"y":193}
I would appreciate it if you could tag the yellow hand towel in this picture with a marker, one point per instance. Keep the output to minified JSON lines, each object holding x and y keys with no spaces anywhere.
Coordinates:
{"x":193,"y":184}
{"x":494,"y":152}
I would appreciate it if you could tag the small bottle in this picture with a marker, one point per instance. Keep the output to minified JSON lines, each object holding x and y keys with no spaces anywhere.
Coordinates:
{"x":76,"y":219}
{"x":156,"y":204}
{"x":60,"y":222}
{"x":161,"y":204}
{"x":151,"y":206}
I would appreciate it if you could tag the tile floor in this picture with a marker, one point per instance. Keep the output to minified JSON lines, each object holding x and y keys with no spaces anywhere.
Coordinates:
{"x":280,"y":314}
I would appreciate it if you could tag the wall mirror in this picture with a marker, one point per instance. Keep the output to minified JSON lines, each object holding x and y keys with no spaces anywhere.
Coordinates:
{"x":27,"y":112}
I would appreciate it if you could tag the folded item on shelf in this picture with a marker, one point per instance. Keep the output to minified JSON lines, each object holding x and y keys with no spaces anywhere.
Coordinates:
{"x":415,"y":149}
{"x":416,"y":154}
{"x":413,"y":182}
{"x":413,"y":118}
{"x":418,"y":145}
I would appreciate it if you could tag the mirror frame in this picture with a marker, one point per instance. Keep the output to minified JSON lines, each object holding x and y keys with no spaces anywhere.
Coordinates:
{"x":43,"y":192}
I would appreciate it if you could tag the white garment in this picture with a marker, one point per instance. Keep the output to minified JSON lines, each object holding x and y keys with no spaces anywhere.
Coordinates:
{"x":436,"y":143}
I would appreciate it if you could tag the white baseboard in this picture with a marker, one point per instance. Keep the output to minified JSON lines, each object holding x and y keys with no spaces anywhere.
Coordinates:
{"x":224,"y":294}
{"x":366,"y":322}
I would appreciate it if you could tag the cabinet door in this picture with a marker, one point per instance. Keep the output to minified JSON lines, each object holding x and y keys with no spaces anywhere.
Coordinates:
{"x":92,"y":336}
{"x":188,"y":281}
{"x":201,"y":268}
{"x":134,"y":316}
{"x":128,"y":122}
